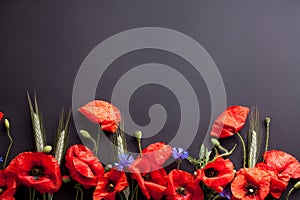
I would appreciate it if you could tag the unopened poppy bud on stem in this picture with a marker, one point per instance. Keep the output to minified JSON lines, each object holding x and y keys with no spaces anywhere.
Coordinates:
{"x":66,"y":179}
{"x":215,"y":142}
{"x":138,"y":135}
{"x":267,"y":120}
{"x":85,"y":134}
{"x":47,"y":149}
{"x":297,"y":185}
{"x":6,"y":123}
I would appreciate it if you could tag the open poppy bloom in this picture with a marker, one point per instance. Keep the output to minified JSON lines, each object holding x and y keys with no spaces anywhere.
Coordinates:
{"x":152,"y":183}
{"x":282,"y":166}
{"x":7,"y":186}
{"x":217,"y":174}
{"x":230,"y":121}
{"x":103,"y":113}
{"x":251,"y":184}
{"x":148,"y":171}
{"x":1,"y":115}
{"x":181,"y":186}
{"x":38,"y":170}
{"x":282,"y":163}
{"x":111,"y":183}
{"x":83,"y":166}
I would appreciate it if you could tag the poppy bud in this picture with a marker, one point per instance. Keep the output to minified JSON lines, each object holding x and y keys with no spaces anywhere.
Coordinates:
{"x":6,"y":123}
{"x":215,"y":142}
{"x":267,"y":120}
{"x":138,"y":135}
{"x":85,"y":134}
{"x":66,"y":179}
{"x":47,"y":149}
{"x":297,"y":185}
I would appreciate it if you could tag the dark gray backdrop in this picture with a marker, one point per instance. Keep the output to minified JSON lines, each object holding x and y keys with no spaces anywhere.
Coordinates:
{"x":255,"y":44}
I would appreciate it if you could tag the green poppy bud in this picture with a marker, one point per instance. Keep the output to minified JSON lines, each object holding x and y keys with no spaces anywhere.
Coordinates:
{"x":6,"y":123}
{"x":47,"y":149}
{"x":138,"y":135}
{"x":297,"y":185}
{"x":215,"y":142}
{"x":85,"y":134}
{"x":267,"y":120}
{"x":66,"y":179}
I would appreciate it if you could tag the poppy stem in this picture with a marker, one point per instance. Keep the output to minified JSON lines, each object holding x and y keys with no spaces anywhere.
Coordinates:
{"x":78,"y":189}
{"x":140,"y":146}
{"x":11,"y":142}
{"x":267,"y":121}
{"x":95,"y":145}
{"x":50,"y":196}
{"x":178,"y":161}
{"x":216,"y":197}
{"x":289,"y":194}
{"x":244,"y":148}
{"x":33,"y":194}
{"x":98,"y":140}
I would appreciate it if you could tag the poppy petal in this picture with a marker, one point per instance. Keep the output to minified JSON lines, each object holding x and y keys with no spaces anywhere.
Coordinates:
{"x":230,"y":121}
{"x":103,"y":113}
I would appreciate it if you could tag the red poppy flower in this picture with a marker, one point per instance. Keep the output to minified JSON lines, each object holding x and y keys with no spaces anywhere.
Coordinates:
{"x":217,"y":174}
{"x":103,"y":113}
{"x":251,"y":184}
{"x":38,"y":170}
{"x":1,"y":115}
{"x":111,"y":183}
{"x":7,"y":186}
{"x":158,"y":153}
{"x":181,"y":186}
{"x":148,"y":171}
{"x":282,"y":166}
{"x":282,"y":163}
{"x":152,"y":182}
{"x":83,"y":166}
{"x":230,"y":121}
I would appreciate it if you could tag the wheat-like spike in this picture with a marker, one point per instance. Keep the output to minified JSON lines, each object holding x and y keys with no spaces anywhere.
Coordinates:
{"x":253,"y":150}
{"x":120,"y":144}
{"x":36,"y":120}
{"x":254,"y":137}
{"x":37,"y":132}
{"x":60,"y":146}
{"x":61,"y":138}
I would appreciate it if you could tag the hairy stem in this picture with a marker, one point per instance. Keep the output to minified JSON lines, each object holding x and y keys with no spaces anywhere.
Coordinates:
{"x":9,"y":148}
{"x":244,"y":149}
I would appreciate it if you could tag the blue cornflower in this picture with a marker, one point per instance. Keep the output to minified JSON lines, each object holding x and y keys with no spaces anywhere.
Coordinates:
{"x":1,"y":159}
{"x":125,"y":160}
{"x":226,"y":193}
{"x":179,"y":153}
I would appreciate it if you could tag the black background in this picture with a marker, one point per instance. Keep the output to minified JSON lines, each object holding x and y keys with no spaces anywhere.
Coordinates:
{"x":255,"y":44}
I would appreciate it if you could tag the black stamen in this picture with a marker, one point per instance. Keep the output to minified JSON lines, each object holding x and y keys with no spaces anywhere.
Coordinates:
{"x":147,"y":177}
{"x":111,"y":187}
{"x":37,"y":172}
{"x":181,"y":190}
{"x":211,"y":172}
{"x":251,"y":190}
